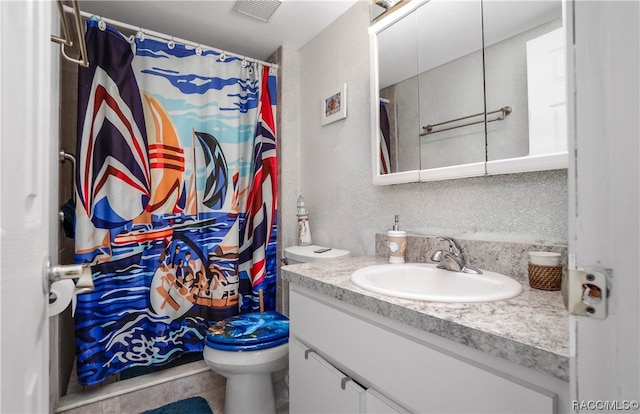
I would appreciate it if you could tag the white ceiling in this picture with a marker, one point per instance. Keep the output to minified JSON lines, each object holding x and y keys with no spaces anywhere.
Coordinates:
{"x":214,"y":23}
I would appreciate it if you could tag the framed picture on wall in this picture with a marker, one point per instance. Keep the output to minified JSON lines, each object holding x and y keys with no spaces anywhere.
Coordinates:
{"x":334,"y":105}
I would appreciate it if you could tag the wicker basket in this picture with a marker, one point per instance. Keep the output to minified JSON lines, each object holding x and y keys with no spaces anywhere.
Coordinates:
{"x":545,"y":277}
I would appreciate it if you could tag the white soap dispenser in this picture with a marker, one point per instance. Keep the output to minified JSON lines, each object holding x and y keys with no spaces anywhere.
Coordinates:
{"x":304,"y":231}
{"x":397,"y":242}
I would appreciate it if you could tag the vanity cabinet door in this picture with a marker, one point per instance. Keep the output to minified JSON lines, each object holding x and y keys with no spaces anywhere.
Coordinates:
{"x":376,"y":403}
{"x":316,"y":386}
{"x":422,"y":377}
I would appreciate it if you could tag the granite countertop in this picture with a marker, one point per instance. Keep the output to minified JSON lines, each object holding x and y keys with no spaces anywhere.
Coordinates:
{"x":531,"y":329}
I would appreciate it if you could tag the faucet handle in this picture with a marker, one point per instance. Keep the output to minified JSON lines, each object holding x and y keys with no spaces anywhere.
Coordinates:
{"x":453,"y":247}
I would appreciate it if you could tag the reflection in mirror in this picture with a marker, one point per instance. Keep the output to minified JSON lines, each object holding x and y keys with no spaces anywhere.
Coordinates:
{"x":525,"y":68}
{"x":444,"y":67}
{"x":451,"y":84}
{"x":399,"y":104}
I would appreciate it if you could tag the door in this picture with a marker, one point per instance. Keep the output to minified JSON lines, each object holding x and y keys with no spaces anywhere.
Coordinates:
{"x":377,"y":403}
{"x":547,"y":93}
{"x":604,"y":198}
{"x":28,"y":183}
{"x":316,"y":386}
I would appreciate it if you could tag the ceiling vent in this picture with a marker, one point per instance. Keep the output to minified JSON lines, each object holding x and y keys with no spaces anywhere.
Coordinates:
{"x":258,"y":9}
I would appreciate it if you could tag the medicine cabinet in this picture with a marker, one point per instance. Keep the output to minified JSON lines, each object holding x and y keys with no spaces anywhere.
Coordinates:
{"x":467,"y":88}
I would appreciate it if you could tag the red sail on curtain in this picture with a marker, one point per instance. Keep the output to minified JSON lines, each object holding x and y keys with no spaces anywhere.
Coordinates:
{"x":258,"y":229}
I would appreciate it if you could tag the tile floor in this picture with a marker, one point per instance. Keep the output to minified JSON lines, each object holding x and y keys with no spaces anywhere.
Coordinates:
{"x":115,"y":399}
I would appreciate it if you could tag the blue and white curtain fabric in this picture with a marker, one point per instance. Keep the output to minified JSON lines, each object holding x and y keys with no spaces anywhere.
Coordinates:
{"x":176,"y":185}
{"x":385,"y":139}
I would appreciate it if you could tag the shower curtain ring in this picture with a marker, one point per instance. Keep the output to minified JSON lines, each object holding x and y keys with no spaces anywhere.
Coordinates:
{"x":141,"y":34}
{"x":222,"y":57}
{"x":102,"y":25}
{"x":244,"y":62}
{"x":198,"y":50}
{"x":171,"y":44}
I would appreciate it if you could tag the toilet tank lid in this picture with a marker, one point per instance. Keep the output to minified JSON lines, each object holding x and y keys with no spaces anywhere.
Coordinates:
{"x":314,"y":253}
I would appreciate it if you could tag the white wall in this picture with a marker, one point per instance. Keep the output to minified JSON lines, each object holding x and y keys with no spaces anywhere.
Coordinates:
{"x":333,"y":169}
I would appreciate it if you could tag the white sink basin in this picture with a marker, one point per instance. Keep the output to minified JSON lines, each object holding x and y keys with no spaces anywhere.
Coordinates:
{"x":424,"y":281}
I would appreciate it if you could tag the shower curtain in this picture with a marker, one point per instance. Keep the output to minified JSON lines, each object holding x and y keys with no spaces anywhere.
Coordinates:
{"x":385,"y":140}
{"x":176,"y":185}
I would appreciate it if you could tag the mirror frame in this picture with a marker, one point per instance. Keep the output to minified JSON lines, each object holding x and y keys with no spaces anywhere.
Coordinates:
{"x":385,"y":21}
{"x":553,"y":161}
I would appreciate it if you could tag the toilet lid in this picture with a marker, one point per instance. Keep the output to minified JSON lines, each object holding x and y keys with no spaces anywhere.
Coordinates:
{"x":246,"y":348}
{"x":249,"y":331}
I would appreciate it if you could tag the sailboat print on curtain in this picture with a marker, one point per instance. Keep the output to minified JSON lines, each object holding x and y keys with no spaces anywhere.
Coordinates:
{"x":177,"y":198}
{"x":216,"y":165}
{"x":166,"y":158}
{"x":258,"y":225}
{"x":111,"y":117}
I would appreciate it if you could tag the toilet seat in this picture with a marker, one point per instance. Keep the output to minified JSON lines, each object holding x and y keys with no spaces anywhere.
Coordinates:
{"x":249,"y":332}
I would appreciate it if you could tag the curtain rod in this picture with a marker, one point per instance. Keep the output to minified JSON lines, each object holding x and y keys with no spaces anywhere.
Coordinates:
{"x":163,"y":36}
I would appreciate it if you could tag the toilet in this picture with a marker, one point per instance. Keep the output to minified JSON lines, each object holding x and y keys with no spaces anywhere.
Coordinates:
{"x":313,"y":253}
{"x":249,"y":348}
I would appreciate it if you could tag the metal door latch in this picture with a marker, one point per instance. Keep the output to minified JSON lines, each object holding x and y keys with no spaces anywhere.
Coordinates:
{"x":81,"y":273}
{"x":585,"y":292}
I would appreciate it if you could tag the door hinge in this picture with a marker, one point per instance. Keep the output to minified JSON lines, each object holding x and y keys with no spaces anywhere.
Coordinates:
{"x":585,"y":292}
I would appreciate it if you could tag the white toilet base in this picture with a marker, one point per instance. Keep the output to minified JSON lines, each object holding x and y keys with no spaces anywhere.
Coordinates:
{"x":249,"y":377}
{"x":249,"y":394}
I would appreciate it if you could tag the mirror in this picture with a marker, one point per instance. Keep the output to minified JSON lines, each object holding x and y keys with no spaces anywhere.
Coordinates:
{"x":451,"y":87}
{"x":525,"y":68}
{"x":399,"y":100}
{"x":458,"y":107}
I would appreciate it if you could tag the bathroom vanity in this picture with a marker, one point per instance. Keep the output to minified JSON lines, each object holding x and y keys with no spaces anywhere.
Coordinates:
{"x":352,"y":350}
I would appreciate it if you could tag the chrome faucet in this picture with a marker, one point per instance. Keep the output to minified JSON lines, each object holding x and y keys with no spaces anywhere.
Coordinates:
{"x":452,"y":259}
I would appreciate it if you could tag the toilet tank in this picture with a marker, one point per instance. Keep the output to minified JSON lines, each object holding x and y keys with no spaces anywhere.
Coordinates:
{"x":313,"y":253}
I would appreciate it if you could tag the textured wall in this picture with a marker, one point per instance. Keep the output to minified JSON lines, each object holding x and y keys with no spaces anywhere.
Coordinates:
{"x":333,"y":167}
{"x":288,"y":143}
